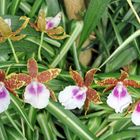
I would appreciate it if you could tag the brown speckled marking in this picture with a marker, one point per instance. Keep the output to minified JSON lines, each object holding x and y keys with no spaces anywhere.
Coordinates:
{"x":76,"y":77}
{"x":89,"y":77}
{"x":123,"y":75}
{"x":131,"y":83}
{"x":24,"y":77}
{"x":32,"y":68}
{"x":2,"y":75}
{"x":108,"y":81}
{"x":48,"y":75}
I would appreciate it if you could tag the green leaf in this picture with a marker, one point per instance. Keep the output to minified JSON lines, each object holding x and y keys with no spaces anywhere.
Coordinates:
{"x":3,"y":135}
{"x":13,"y":134}
{"x":93,"y":15}
{"x":43,"y":122}
{"x":70,"y":120}
{"x":122,"y":46}
{"x":18,"y":107}
{"x":68,"y":44}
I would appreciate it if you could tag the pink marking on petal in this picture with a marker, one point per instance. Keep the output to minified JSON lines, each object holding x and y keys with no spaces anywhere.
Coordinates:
{"x":138,"y":107}
{"x":123,"y":93}
{"x":49,"y":25}
{"x":32,"y":89}
{"x":116,"y":92}
{"x":39,"y":88}
{"x":3,"y":93}
{"x":80,"y":97}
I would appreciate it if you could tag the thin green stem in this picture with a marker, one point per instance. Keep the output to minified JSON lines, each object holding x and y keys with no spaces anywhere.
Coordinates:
{"x":13,"y":50}
{"x":77,"y":64}
{"x":40,"y":46}
{"x":2,"y":7}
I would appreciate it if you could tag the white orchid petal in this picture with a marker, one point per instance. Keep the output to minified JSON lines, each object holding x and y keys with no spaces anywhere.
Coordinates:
{"x":52,"y":22}
{"x":37,"y":95}
{"x":72,"y":97}
{"x":4,"y":98}
{"x":119,"y":99}
{"x":136,"y":115}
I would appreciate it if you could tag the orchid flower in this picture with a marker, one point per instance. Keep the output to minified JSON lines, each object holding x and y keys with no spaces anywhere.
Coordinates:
{"x":119,"y":98}
{"x":7,"y":84}
{"x":6,"y":32}
{"x":50,"y":26}
{"x":81,"y":94}
{"x":135,"y":117}
{"x":36,"y":93}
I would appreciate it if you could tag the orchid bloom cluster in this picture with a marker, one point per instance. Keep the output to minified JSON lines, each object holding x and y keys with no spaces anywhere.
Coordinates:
{"x":73,"y":96}
{"x":119,"y":98}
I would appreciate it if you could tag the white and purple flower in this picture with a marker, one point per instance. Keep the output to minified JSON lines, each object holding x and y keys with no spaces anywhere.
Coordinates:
{"x":4,"y":98}
{"x":119,"y":98}
{"x":53,"y":22}
{"x":136,"y":114}
{"x":37,"y":95}
{"x":72,"y":97}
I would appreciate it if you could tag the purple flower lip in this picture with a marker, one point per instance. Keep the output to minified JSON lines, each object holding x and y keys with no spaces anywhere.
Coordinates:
{"x":3,"y":91}
{"x":120,"y":90}
{"x":35,"y":89}
{"x":138,"y":107}
{"x":78,"y":93}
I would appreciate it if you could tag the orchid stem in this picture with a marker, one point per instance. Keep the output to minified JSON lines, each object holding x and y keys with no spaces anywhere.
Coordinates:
{"x":13,"y":50}
{"x":40,"y":46}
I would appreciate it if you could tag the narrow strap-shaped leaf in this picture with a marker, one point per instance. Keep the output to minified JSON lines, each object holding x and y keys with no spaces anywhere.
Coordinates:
{"x":43,"y":122}
{"x":70,"y":120}
{"x":18,"y":107}
{"x":14,"y":124}
{"x":94,"y":13}
{"x":32,"y":68}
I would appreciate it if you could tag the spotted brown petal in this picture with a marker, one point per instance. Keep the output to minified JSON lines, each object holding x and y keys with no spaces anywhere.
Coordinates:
{"x":25,"y":78}
{"x":131,"y":83}
{"x":76,"y":77}
{"x":108,"y":81}
{"x":17,"y":38}
{"x":32,"y":67}
{"x":92,"y":95}
{"x":46,"y":76}
{"x":57,"y":33}
{"x":34,"y":25}
{"x":2,"y":39}
{"x":2,"y":75}
{"x":41,"y":21}
{"x":123,"y":75}
{"x":86,"y":106}
{"x":89,"y":77}
{"x":12,"y":82}
{"x":26,"y":20}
